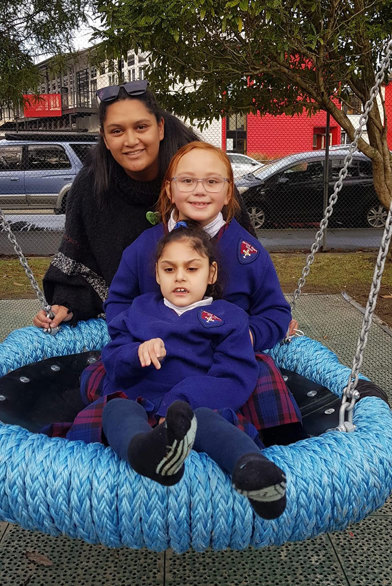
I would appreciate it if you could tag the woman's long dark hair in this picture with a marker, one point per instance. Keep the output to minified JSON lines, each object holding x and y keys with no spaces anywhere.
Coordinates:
{"x":101,"y":163}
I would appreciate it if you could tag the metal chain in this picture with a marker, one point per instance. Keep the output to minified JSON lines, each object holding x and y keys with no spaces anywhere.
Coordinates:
{"x":23,"y":261}
{"x":350,"y":395}
{"x":385,"y":64}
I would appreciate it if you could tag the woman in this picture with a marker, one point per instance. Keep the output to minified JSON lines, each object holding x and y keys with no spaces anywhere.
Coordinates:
{"x":112,"y":200}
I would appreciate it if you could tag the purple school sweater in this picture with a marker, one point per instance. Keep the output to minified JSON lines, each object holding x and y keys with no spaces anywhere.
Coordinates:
{"x":210,"y":361}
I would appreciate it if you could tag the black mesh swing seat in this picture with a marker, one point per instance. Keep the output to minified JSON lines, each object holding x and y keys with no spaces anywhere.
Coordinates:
{"x":45,"y":392}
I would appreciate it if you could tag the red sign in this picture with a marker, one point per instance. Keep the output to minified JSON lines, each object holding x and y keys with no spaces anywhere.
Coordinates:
{"x":42,"y":105}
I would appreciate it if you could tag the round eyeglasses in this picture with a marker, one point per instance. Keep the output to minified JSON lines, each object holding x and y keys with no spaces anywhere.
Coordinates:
{"x":210,"y":184}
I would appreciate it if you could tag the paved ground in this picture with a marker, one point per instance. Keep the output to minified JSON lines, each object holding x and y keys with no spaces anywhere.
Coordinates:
{"x":359,"y":556}
{"x":335,"y":239}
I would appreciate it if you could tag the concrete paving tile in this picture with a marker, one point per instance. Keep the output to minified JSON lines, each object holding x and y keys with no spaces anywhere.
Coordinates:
{"x":365,"y":551}
{"x":28,"y":557}
{"x":312,"y":562}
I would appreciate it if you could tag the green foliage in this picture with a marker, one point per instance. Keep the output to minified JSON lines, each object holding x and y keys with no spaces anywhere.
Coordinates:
{"x":245,"y":55}
{"x":29,"y":30}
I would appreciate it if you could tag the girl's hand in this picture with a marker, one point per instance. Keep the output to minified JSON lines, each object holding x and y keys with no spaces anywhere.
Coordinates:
{"x":61,"y":314}
{"x":152,"y":351}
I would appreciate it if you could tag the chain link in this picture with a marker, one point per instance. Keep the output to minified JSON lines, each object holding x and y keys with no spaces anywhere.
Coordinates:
{"x":350,"y":394}
{"x":23,"y":261}
{"x":385,"y":64}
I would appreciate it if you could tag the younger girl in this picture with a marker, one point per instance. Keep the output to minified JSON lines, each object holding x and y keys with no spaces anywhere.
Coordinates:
{"x":198,"y":186}
{"x":187,"y":356}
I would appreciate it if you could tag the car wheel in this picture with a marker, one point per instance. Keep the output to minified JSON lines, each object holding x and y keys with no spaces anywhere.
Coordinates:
{"x":257,"y":217}
{"x":376,"y":216}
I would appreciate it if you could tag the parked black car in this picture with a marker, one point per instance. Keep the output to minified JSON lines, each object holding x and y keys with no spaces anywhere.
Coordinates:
{"x":289,"y":192}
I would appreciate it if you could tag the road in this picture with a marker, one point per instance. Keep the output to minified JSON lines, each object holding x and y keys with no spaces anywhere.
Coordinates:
{"x":40,"y":234}
{"x":44,"y":221}
{"x":344,"y":239}
{"x":36,"y":233}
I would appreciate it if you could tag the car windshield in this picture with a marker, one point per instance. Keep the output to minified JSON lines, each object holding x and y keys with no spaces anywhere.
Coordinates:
{"x":266,"y":168}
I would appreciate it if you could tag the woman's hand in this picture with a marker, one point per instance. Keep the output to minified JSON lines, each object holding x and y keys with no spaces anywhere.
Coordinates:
{"x":61,"y":314}
{"x":293,"y":327}
{"x":152,"y":351}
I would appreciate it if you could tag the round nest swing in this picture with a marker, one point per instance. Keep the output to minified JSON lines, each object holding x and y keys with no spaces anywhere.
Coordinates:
{"x":85,"y":491}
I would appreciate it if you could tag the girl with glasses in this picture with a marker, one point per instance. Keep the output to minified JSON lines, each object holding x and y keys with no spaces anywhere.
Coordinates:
{"x":112,"y":199}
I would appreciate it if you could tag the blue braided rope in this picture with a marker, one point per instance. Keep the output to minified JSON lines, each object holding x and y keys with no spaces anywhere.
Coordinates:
{"x":85,"y":491}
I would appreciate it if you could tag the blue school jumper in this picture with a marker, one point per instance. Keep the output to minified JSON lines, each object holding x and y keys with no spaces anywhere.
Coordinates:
{"x":209,"y":357}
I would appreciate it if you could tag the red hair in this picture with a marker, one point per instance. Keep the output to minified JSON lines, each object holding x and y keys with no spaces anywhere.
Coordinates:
{"x":165,"y":206}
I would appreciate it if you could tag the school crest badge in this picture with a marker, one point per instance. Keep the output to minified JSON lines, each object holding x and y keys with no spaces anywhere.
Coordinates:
{"x":209,"y":320}
{"x":246,"y":252}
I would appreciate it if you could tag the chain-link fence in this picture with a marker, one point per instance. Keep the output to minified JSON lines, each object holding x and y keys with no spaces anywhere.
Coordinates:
{"x":293,"y":192}
{"x":37,"y":170}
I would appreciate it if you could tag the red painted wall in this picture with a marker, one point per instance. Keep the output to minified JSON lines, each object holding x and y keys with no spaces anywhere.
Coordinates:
{"x":275,"y":136}
{"x":45,"y":105}
{"x":224,"y":134}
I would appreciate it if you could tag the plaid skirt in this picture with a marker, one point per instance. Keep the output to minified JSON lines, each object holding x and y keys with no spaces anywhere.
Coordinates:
{"x":271,"y":404}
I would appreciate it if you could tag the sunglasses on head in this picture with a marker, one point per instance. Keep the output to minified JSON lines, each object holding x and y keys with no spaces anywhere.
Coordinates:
{"x":133,"y":88}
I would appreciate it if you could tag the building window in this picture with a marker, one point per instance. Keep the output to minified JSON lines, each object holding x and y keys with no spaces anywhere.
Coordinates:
{"x":93,"y":88}
{"x":344,"y":139}
{"x":93,"y":72}
{"x":102,"y":69}
{"x":131,"y":59}
{"x":236,"y":134}
{"x":83,"y":89}
{"x":141,"y":72}
{"x":236,"y":122}
{"x":319,"y":140}
{"x":64,"y":97}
